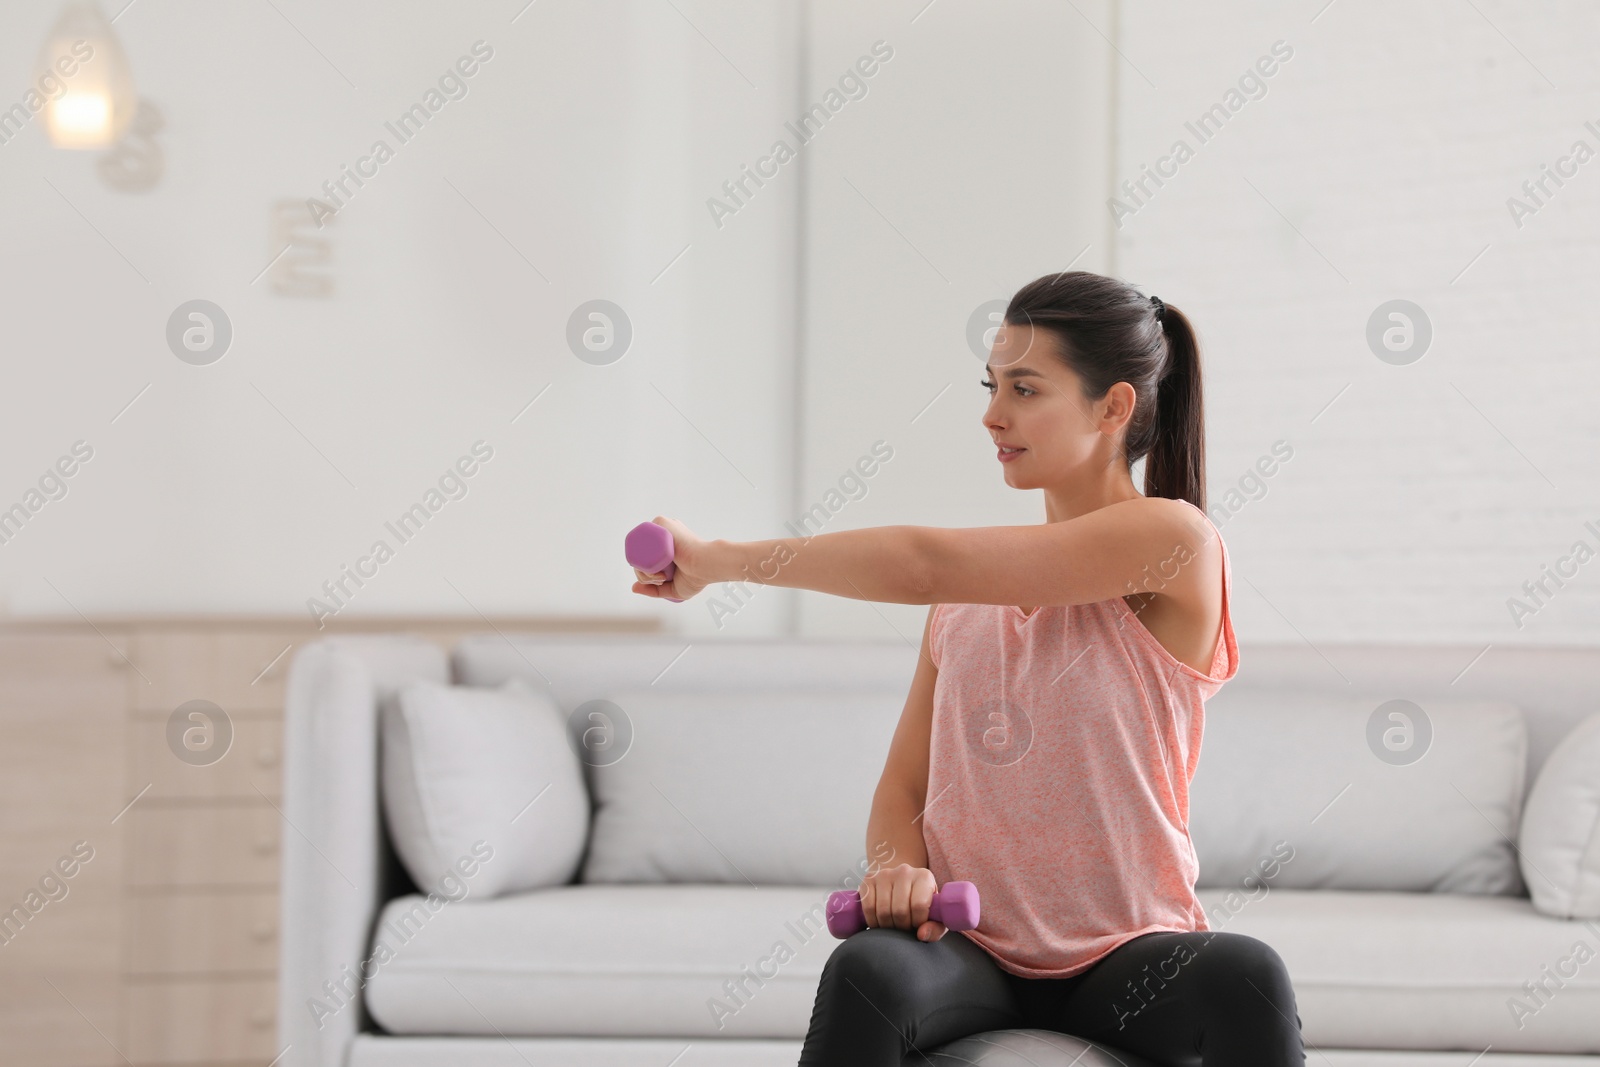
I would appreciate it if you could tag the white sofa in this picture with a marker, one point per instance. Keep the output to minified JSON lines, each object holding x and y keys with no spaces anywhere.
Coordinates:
{"x":1403,"y":915}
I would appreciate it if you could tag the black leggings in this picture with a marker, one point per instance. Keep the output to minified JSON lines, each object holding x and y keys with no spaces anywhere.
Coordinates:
{"x":1196,"y":999}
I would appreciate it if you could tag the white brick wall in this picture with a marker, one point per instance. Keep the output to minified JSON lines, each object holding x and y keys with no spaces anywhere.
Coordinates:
{"x":1419,"y":498}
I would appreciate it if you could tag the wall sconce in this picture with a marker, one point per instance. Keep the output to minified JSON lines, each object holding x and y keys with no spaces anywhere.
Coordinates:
{"x":96,"y":100}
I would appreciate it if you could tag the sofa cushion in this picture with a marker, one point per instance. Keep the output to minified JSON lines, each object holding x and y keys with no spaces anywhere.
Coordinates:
{"x":754,"y":787}
{"x":1330,"y":778}
{"x":1425,"y":970}
{"x":378,"y":1050}
{"x":1003,"y":1050}
{"x":1560,"y":839}
{"x":1370,"y":969}
{"x":473,"y":771}
{"x":723,"y":962}
{"x":605,"y":960}
{"x":998,"y":1048}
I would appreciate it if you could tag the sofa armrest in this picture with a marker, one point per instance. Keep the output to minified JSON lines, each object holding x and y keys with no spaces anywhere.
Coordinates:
{"x":332,"y":882}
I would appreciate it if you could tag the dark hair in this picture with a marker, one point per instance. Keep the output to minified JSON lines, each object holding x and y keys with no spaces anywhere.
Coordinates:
{"x":1110,"y":332}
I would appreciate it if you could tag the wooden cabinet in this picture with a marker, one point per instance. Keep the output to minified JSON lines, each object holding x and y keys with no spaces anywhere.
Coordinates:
{"x":202,"y":1021}
{"x":211,"y":932}
{"x":160,"y":949}
{"x":251,"y":769}
{"x":193,"y":847}
{"x":64,"y":712}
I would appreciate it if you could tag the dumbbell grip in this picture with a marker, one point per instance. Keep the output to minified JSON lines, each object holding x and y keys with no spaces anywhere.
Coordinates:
{"x":649,"y":547}
{"x":955,"y":905}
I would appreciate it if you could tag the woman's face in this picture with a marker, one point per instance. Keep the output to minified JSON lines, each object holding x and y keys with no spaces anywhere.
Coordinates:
{"x":1036,"y":404}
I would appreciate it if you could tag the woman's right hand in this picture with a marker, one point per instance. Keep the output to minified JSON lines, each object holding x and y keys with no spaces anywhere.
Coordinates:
{"x":899,"y":897}
{"x":689,"y":566}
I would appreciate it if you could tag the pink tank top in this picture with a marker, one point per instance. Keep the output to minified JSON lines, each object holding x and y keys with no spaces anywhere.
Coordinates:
{"x":1063,"y":745}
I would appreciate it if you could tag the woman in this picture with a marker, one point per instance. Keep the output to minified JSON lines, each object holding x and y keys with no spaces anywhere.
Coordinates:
{"x":1054,"y":721}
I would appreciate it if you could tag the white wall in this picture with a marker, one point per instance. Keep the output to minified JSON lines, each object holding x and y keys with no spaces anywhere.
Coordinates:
{"x":977,"y":163}
{"x":1419,"y":498}
{"x":589,"y":144}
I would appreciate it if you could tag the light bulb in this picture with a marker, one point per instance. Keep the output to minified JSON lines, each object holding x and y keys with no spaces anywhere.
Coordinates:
{"x":90,"y":97}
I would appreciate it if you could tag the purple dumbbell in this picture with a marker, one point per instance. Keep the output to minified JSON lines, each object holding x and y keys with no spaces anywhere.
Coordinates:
{"x":955,"y":905}
{"x":649,"y":548}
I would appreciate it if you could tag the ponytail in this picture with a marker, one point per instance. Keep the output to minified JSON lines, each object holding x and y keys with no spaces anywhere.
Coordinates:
{"x":1176,"y":464}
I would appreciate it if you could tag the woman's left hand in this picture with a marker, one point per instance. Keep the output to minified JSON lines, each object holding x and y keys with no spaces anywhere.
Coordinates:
{"x":689,"y":557}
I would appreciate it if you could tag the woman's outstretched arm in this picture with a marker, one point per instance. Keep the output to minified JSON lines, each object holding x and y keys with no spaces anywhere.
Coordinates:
{"x":881,"y":563}
{"x":885,"y":564}
{"x":1134,"y":546}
